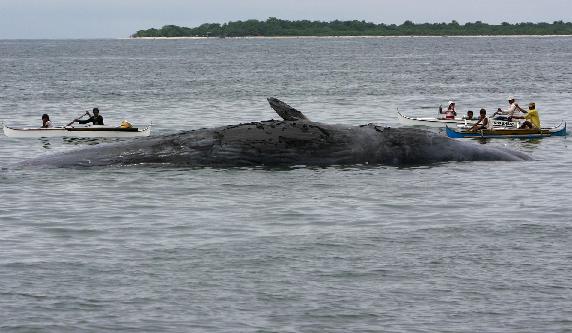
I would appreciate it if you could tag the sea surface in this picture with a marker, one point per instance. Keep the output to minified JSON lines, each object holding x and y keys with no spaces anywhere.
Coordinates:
{"x":449,"y":247}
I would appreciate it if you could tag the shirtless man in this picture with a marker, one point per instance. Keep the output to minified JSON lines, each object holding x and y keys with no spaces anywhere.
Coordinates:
{"x":483,"y":122}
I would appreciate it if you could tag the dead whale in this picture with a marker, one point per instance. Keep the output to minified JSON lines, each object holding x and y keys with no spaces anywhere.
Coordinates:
{"x":295,"y":140}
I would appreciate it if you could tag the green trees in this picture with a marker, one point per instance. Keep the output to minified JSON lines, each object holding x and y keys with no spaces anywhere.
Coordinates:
{"x":277,"y":27}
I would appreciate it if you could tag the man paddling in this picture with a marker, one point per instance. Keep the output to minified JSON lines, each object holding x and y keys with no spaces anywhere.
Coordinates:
{"x":532,"y":118}
{"x":512,"y":110}
{"x":96,"y":119}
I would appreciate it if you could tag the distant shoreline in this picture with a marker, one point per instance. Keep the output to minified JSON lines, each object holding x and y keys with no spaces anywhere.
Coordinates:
{"x":274,"y":27}
{"x":346,"y":37}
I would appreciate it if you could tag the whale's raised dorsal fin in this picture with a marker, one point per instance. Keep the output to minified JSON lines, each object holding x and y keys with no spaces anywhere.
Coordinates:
{"x":285,"y":111}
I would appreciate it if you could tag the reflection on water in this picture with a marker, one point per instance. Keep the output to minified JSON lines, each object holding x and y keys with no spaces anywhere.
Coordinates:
{"x":526,"y":143}
{"x":90,"y":141}
{"x":49,"y":143}
{"x":82,"y":141}
{"x":532,"y":143}
{"x":45,"y":143}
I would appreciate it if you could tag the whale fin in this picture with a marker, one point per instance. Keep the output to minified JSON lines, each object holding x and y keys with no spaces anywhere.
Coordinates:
{"x":285,"y":111}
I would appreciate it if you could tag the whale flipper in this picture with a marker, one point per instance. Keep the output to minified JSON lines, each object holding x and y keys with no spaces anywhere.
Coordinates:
{"x":285,"y":111}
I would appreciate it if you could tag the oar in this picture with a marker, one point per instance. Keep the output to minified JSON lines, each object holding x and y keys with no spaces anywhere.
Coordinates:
{"x":73,"y":121}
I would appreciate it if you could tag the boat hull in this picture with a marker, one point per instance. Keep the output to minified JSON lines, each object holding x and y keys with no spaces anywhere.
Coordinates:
{"x":457,"y":122}
{"x":77,"y":132}
{"x":509,"y":133}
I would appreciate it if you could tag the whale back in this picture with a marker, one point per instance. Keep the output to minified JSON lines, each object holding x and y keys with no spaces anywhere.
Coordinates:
{"x":283,"y":143}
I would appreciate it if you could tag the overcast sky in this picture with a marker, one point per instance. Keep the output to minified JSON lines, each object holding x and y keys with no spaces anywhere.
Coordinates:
{"x":120,"y":18}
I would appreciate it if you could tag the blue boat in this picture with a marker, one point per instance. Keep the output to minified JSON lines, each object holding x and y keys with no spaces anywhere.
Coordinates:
{"x":559,"y":130}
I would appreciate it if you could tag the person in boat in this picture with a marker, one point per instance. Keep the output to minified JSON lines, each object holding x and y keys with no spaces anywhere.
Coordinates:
{"x":532,"y":120}
{"x":46,"y":123}
{"x":96,"y":119}
{"x":469,"y":116}
{"x":482,"y":123}
{"x":450,"y":113}
{"x":513,"y":110}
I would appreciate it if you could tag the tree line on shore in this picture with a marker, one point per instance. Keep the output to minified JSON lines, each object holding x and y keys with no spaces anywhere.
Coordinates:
{"x":274,"y":27}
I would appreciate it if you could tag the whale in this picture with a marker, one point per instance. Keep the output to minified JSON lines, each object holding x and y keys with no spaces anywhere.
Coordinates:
{"x":292,"y":140}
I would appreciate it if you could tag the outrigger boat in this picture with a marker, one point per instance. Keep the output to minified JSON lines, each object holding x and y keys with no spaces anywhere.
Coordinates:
{"x":559,"y":130}
{"x":77,"y":132}
{"x":457,"y":122}
{"x":431,"y":122}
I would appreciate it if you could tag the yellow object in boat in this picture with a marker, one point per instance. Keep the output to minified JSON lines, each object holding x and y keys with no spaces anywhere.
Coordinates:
{"x":125,"y":124}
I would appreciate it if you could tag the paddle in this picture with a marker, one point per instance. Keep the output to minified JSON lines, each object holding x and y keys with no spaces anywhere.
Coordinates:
{"x":78,"y":118}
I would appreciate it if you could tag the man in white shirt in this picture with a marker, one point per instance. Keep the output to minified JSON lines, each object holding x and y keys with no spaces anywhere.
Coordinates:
{"x":513,"y":110}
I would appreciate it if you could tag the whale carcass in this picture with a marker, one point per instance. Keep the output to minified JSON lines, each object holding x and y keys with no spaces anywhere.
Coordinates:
{"x":294,"y":140}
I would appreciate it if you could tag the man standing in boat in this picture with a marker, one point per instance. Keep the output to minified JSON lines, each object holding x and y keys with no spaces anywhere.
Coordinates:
{"x":96,"y":119}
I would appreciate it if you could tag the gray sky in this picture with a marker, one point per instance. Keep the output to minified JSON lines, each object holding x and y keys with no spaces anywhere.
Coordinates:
{"x":120,"y":18}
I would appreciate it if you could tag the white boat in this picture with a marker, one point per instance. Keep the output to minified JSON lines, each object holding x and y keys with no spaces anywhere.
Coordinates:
{"x":77,"y":132}
{"x":452,"y":123}
{"x":432,"y":122}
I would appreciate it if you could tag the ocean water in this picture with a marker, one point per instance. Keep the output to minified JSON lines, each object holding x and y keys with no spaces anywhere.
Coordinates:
{"x":451,"y":247}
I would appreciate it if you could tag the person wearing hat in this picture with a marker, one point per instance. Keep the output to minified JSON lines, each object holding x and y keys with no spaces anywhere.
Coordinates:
{"x":532,"y":119}
{"x":450,"y":113}
{"x":512,"y":110}
{"x":96,"y":119}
